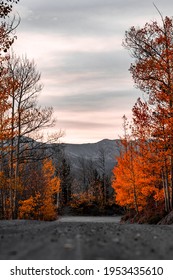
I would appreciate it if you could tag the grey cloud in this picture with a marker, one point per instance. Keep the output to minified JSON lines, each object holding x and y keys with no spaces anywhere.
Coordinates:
{"x":93,"y":101}
{"x":100,"y":61}
{"x":83,"y":17}
{"x":83,"y":125}
{"x":102,"y":68}
{"x":89,"y":17}
{"x":86,"y":82}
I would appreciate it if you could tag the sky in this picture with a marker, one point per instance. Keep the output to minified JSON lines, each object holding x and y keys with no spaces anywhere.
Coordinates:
{"x":77,"y":47}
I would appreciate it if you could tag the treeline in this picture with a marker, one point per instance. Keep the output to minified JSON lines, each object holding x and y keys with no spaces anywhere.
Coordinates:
{"x":36,"y":181}
{"x":85,"y":184}
{"x":28,"y":181}
{"x":92,"y":193}
{"x":143,"y":176}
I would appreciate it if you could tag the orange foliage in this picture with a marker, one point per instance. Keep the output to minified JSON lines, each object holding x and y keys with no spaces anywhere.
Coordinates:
{"x":137,"y":177}
{"x":51,"y":188}
{"x":27,"y":209}
{"x":152,"y":48}
{"x":42,"y":205}
{"x":82,"y":198}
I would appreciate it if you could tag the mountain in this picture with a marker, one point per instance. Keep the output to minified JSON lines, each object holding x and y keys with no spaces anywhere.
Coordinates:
{"x":95,"y":152}
{"x":79,"y":154}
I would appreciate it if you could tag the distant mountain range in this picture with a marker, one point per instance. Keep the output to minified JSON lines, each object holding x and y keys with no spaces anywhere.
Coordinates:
{"x":77,"y":154}
{"x":105,"y":149}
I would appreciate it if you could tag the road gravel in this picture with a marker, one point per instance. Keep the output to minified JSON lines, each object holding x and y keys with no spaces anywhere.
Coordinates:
{"x":84,"y":238}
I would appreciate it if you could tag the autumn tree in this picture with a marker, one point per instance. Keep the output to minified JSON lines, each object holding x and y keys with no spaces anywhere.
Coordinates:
{"x":143,"y":175}
{"x":51,"y":187}
{"x":22,"y":123}
{"x":137,"y":178}
{"x":28,"y":118}
{"x":7,"y":26}
{"x":22,"y":119}
{"x":42,"y":202}
{"x":152,"y":49}
{"x":7,"y":36}
{"x":137,"y":181}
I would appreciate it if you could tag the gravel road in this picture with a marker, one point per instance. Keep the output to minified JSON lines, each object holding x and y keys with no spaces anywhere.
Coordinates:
{"x":82,"y":238}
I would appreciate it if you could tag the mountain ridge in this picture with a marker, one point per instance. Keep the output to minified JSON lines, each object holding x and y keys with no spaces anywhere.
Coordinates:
{"x":106,"y":149}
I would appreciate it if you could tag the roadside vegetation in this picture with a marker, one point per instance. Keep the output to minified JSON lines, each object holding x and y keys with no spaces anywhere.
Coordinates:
{"x":36,"y":181}
{"x":143,"y":176}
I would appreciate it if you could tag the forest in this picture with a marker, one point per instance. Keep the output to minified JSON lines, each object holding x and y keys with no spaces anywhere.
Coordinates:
{"x":28,"y":183}
{"x":35,"y":177}
{"x":143,"y":177}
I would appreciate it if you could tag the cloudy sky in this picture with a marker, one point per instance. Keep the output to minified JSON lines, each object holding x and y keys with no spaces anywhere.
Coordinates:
{"x":77,"y":46}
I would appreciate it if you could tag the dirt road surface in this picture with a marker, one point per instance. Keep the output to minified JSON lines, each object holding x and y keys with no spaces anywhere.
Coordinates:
{"x":82,"y":238}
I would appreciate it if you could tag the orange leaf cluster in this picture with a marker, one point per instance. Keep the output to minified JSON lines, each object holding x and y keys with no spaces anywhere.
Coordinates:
{"x":144,"y":173}
{"x":43,"y":204}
